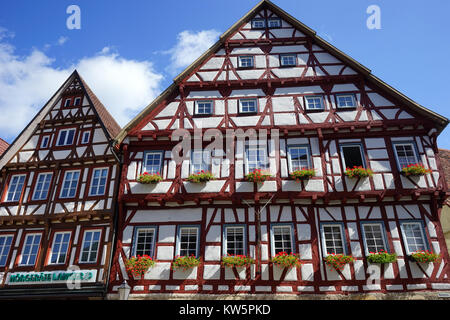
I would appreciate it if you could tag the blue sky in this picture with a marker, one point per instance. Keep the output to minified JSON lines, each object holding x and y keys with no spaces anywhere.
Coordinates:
{"x":142,"y":45}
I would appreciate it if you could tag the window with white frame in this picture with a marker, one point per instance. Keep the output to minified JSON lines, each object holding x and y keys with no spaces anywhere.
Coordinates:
{"x":200,"y":160}
{"x":314,"y":103}
{"x":248,"y":106}
{"x":44,"y":142}
{"x":333,"y":239}
{"x":144,"y":242}
{"x":258,"y":23}
{"x":282,"y":239}
{"x":405,"y":153}
{"x":98,"y":182}
{"x":67,"y":102}
{"x":288,"y":60}
{"x":152,"y":162}
{"x":90,"y":246}
{"x":373,"y":237}
{"x":66,"y":137}
{"x":234,"y":244}
{"x":77,"y":101}
{"x":274,"y":23}
{"x":346,"y":101}
{"x":5,"y":247}
{"x":30,"y":249}
{"x":15,"y":187}
{"x":203,"y":107}
{"x":60,"y":247}
{"x":256,"y":158}
{"x":42,"y":186}
{"x":70,"y":184}
{"x":413,"y":236}
{"x":85,"y":137}
{"x":352,"y":155}
{"x":245,"y":62}
{"x":298,"y":158}
{"x":188,"y":241}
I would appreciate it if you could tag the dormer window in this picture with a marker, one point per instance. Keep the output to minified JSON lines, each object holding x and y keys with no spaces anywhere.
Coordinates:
{"x":258,"y":23}
{"x":245,"y":62}
{"x":203,"y":107}
{"x":346,"y":101}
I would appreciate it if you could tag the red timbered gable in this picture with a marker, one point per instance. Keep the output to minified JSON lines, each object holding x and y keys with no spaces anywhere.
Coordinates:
{"x":58,"y":199}
{"x":322,"y":110}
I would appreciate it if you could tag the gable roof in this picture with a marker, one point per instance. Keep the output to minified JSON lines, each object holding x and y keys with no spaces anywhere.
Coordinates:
{"x":108,"y":123}
{"x":440,"y":121}
{"x":3,"y":146}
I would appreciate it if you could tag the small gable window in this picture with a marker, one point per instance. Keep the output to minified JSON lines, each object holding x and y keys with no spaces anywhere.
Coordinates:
{"x":346,"y":101}
{"x":203,"y":107}
{"x":77,"y":101}
{"x":65,"y":137}
{"x":274,"y":23}
{"x":246,"y":62}
{"x":85,"y":137}
{"x":248,"y":106}
{"x":44,"y":142}
{"x":288,"y":60}
{"x":314,"y":103}
{"x":67,"y":102}
{"x":258,"y":23}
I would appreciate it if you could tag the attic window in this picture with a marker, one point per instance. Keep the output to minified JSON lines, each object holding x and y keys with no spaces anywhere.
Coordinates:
{"x":274,"y":23}
{"x":288,"y":60}
{"x":67,"y":102}
{"x":77,"y":101}
{"x":346,"y":101}
{"x":203,"y":107}
{"x":246,"y":62}
{"x":258,"y":23}
{"x":314,"y":103}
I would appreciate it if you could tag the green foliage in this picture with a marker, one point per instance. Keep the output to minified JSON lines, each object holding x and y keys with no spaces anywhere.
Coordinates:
{"x":139,"y":265}
{"x":283,"y":259}
{"x":425,"y":256}
{"x":257,"y":175}
{"x":358,"y":172}
{"x":185,"y":262}
{"x":415,"y":170}
{"x":237,"y":261}
{"x":201,"y":176}
{"x":147,"y":178}
{"x":381,"y":257}
{"x":338,"y":261}
{"x":303,"y":174}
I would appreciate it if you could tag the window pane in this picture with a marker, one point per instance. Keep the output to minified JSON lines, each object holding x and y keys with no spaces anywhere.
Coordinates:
{"x":90,"y":247}
{"x":282,"y":239}
{"x":333,"y":239}
{"x":153,"y":162}
{"x":204,"y":107}
{"x":299,"y":158}
{"x":405,"y":154}
{"x":60,"y":247}
{"x":414,"y":236}
{"x":246,"y":61}
{"x":352,"y":156}
{"x":30,"y":249}
{"x":314,"y":103}
{"x":345,"y":101}
{"x":235,"y":240}
{"x":144,"y":242}
{"x":5,"y":246}
{"x":201,"y":160}
{"x":42,"y":186}
{"x":374,"y":237}
{"x":188,"y":241}
{"x":256,"y":158}
{"x":98,"y":183}
{"x":15,"y":188}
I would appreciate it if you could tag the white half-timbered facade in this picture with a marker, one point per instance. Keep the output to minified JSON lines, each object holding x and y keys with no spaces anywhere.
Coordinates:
{"x":58,"y":199}
{"x":312,"y":106}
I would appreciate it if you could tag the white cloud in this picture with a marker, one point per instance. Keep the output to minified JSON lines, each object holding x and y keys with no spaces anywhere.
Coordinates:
{"x":26,"y":83}
{"x":62,"y":40}
{"x":190,"y":45}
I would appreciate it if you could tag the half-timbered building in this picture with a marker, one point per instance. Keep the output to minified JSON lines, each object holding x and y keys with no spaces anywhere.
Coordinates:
{"x":321,"y":110}
{"x":58,"y":199}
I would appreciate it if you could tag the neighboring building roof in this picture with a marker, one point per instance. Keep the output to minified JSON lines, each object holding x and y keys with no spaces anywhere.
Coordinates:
{"x":3,"y":146}
{"x":441,"y":121}
{"x":444,"y":155}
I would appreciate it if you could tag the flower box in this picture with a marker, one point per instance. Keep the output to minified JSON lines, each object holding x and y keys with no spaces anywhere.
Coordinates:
{"x":231,"y":261}
{"x":358,"y":172}
{"x":415,"y":170}
{"x":425,"y":256}
{"x":257,"y":175}
{"x":185,"y":262}
{"x":338,"y":261}
{"x":303,"y":174}
{"x":285,"y":260}
{"x":381,"y":257}
{"x":139,"y":265}
{"x":147,"y":178}
{"x":199,"y":177}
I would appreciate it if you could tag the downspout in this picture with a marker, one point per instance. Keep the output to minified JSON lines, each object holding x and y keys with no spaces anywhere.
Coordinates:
{"x":116,"y":214}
